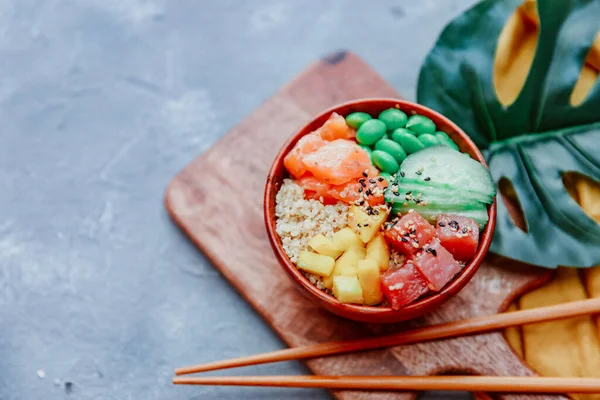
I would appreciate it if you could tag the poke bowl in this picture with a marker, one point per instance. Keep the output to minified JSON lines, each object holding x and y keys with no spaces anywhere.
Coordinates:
{"x":380,"y":210}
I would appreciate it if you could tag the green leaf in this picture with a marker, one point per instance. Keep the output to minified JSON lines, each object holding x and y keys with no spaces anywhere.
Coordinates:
{"x":539,"y":136}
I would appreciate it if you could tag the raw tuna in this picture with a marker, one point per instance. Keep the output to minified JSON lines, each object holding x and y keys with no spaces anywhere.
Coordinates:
{"x":402,"y":286}
{"x":410,"y":233}
{"x":458,"y":235}
{"x":436,"y":265}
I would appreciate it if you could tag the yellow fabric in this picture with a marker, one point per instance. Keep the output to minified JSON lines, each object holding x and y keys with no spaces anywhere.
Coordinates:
{"x":570,"y":347}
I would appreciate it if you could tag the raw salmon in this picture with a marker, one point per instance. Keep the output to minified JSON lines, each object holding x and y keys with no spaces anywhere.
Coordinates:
{"x":293,"y":161}
{"x":337,"y":162}
{"x":336,"y":128}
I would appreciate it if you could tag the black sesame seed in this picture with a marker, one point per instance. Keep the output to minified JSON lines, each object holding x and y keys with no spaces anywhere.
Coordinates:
{"x":368,"y":192}
{"x":427,"y":179}
{"x":365,"y":174}
{"x":432,"y":251}
{"x":404,"y":240}
{"x":362,"y":183}
{"x":402,"y":174}
{"x":362,"y":202}
{"x":371,"y":180}
{"x":441,"y":224}
{"x":409,"y":193}
{"x":376,"y":212}
{"x":380,"y":179}
{"x":366,"y":225}
{"x":358,"y":225}
{"x":396,"y":193}
{"x":464,"y":230}
{"x":360,"y":189}
{"x":418,"y":172}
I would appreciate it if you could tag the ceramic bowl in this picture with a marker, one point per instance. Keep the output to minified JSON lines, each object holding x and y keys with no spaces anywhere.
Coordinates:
{"x":373,"y":314}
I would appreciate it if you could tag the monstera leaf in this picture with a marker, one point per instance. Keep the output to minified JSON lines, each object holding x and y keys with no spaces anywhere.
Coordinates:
{"x":536,"y":139}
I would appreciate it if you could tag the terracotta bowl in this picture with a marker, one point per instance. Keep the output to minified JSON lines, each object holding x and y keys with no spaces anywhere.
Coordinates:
{"x":373,"y":314}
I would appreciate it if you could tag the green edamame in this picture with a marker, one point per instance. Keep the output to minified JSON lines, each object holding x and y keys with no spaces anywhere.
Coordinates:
{"x":370,"y":132}
{"x":429,"y":140}
{"x":393,"y":118}
{"x":446,"y":141}
{"x":444,"y":134}
{"x":385,"y":162}
{"x":392,"y":148}
{"x":420,"y":124}
{"x":399,"y":132}
{"x":408,"y":141}
{"x":356,"y":119}
{"x":386,"y":176}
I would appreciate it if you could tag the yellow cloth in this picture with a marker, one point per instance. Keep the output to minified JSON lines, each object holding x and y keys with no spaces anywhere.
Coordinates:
{"x":569,"y":347}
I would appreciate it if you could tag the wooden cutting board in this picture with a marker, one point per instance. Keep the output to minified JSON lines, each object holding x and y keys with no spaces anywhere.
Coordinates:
{"x":217,"y":201}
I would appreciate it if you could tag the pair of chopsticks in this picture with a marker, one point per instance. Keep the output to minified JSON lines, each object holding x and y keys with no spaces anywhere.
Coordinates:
{"x":471,"y":326}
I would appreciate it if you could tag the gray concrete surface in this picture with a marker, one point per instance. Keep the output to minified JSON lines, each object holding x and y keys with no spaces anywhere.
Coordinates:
{"x":101,"y":103}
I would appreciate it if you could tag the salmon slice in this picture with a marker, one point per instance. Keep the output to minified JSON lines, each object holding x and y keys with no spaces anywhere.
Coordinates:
{"x":336,"y":128}
{"x":293,"y":161}
{"x":349,"y":192}
{"x":337,"y":162}
{"x":314,"y":189}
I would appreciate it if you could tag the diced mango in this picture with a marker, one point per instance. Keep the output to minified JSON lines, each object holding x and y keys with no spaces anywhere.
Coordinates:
{"x":346,"y":265}
{"x":315,"y":263}
{"x":345,"y":238}
{"x":378,"y":250}
{"x":347,"y":289}
{"x":366,"y":225}
{"x":370,"y":282}
{"x":323,"y":245}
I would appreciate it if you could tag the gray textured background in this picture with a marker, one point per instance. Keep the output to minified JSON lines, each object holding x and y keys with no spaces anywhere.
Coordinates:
{"x":101,"y":103}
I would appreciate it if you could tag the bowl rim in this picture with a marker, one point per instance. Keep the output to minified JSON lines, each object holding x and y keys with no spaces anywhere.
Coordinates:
{"x":430,"y":301}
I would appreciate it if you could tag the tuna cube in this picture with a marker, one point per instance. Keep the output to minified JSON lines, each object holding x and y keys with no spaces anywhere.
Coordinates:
{"x":402,"y":286}
{"x":458,"y":235}
{"x":436,"y":265}
{"x":410,"y":233}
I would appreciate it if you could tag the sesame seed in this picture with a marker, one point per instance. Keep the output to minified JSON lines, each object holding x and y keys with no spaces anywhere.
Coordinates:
{"x":365,"y":173}
{"x":427,"y":179}
{"x":432,"y":251}
{"x":371,"y":180}
{"x":380,"y":179}
{"x":441,"y":224}
{"x":418,"y":172}
{"x":405,"y":240}
{"x":402,"y":174}
{"x":360,"y":189}
{"x":362,"y":183}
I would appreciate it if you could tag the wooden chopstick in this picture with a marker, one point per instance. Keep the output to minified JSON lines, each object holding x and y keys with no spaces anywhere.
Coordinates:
{"x":465,"y":327}
{"x":508,"y":384}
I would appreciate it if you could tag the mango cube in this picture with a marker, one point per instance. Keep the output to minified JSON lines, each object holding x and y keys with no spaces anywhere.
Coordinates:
{"x":370,"y":282}
{"x":315,"y":263}
{"x":324,"y":246}
{"x":379,"y":251}
{"x":345,"y":238}
{"x":347,"y":289}
{"x":346,"y":265}
{"x":365,"y":225}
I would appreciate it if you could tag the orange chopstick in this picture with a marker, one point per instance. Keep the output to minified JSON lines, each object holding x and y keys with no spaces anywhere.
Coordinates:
{"x":508,"y":384}
{"x":465,"y":327}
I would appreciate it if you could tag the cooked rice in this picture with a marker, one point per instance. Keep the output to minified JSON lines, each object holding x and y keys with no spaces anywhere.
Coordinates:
{"x":298,"y":220}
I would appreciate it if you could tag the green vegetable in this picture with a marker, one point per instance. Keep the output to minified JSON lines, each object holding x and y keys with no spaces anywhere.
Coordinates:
{"x":446,"y":141}
{"x":429,"y":140}
{"x":408,"y":141}
{"x":402,"y":130}
{"x":393,"y":118}
{"x":444,"y":134}
{"x":420,"y":124}
{"x":386,"y":176}
{"x":538,"y":137}
{"x":370,"y":132}
{"x":392,"y":148}
{"x":356,"y":119}
{"x":385,"y":162}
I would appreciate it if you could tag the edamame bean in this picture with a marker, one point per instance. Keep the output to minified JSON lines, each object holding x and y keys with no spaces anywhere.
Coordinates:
{"x":393,"y":118}
{"x":385,"y":162}
{"x":429,"y":140}
{"x":370,"y":132}
{"x":356,"y":119}
{"x":408,"y":141}
{"x":399,"y":132}
{"x":446,"y":141}
{"x":444,"y":134}
{"x":392,"y":148}
{"x":386,"y":176}
{"x":420,"y":124}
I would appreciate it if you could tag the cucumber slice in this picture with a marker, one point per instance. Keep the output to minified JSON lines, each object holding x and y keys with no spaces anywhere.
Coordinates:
{"x":436,"y":198}
{"x":442,"y":190}
{"x":446,"y":166}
